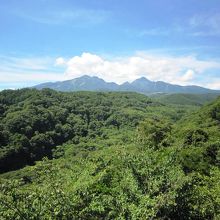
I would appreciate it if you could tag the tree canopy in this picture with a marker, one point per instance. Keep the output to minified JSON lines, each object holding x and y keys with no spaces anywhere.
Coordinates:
{"x":96,"y":155}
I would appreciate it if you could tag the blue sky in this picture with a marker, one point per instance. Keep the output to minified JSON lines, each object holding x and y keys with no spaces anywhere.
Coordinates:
{"x":48,"y":40}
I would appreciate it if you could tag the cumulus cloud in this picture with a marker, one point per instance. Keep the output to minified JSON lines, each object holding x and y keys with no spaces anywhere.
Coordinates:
{"x":189,"y":75}
{"x":60,"y":61}
{"x":181,"y":70}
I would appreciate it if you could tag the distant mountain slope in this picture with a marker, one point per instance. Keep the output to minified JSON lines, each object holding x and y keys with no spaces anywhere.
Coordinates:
{"x":84,"y":83}
{"x":186,"y":99}
{"x":141,"y":85}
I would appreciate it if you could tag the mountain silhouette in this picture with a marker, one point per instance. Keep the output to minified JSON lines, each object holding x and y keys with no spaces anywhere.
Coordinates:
{"x":141,"y":85}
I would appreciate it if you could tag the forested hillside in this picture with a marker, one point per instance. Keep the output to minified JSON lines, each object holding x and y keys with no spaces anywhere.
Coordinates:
{"x":34,"y":122}
{"x":185,"y":99}
{"x":96,"y":155}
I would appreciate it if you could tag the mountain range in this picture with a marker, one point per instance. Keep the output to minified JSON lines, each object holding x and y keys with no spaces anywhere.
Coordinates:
{"x":141,"y":85}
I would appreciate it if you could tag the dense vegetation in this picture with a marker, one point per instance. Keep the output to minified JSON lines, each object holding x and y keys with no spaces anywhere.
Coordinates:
{"x":34,"y":122}
{"x":107,"y":156}
{"x":185,"y":99}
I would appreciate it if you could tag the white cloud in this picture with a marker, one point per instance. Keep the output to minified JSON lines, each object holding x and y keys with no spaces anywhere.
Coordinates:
{"x":214,"y":85}
{"x":60,"y":61}
{"x":20,"y":76}
{"x":189,"y":75}
{"x":180,"y":70}
{"x":28,"y":69}
{"x":26,"y":63}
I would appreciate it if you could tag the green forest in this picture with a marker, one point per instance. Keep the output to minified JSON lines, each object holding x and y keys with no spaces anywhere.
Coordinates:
{"x":109,"y":155}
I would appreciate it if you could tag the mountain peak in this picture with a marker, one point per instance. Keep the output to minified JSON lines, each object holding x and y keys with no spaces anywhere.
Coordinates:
{"x":85,"y":77}
{"x":142,"y":79}
{"x":142,"y":85}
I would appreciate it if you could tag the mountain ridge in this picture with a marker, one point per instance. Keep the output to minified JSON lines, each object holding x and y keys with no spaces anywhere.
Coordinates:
{"x":140,"y":85}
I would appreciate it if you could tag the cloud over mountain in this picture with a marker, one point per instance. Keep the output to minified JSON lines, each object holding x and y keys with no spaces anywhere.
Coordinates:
{"x":182,"y":70}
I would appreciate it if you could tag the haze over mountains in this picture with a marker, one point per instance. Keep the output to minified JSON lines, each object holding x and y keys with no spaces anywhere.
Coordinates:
{"x":141,"y":85}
